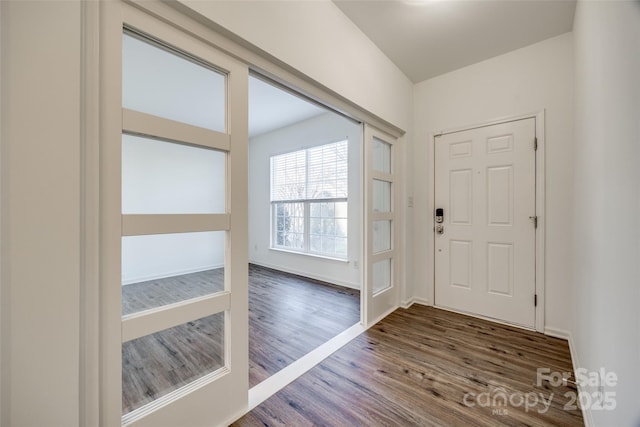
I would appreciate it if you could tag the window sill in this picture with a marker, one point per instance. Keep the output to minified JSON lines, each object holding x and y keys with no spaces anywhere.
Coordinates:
{"x":307,"y":254}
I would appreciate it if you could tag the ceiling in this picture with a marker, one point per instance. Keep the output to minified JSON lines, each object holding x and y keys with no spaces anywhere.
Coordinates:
{"x":271,"y":108}
{"x":426,"y":38}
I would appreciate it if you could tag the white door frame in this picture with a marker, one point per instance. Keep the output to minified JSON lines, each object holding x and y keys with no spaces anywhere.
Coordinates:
{"x":540,"y":206}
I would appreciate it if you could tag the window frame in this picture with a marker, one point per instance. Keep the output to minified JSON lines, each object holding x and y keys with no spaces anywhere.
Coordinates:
{"x":306,"y":248}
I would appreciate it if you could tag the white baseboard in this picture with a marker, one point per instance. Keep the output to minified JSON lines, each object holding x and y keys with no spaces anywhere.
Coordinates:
{"x":320,"y":277}
{"x":170,"y":274}
{"x":416,"y":300}
{"x":587,"y":416}
{"x":557,"y":333}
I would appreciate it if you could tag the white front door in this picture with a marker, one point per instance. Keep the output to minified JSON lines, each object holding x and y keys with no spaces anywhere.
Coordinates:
{"x":381,"y":269}
{"x":485,"y":245}
{"x":174,"y":295}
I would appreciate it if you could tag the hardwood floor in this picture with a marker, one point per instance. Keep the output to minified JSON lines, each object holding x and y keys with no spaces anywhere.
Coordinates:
{"x":289,"y":316}
{"x":156,"y":293}
{"x":429,"y":367}
{"x":157,"y":364}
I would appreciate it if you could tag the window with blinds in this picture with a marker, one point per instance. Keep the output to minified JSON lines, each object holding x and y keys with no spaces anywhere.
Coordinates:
{"x":309,"y":194}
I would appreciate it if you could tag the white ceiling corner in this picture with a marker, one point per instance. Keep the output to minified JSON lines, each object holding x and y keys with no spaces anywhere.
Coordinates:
{"x":426,"y":38}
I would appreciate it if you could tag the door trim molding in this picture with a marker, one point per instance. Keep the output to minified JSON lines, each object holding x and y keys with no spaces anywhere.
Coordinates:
{"x":539,"y":117}
{"x":90,"y":328}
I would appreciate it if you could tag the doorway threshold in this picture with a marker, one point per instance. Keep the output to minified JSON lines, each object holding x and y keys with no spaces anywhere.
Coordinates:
{"x":276,"y":382}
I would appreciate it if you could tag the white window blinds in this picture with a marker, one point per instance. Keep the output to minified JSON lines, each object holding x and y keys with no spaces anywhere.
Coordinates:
{"x":309,"y":192}
{"x":316,"y":173}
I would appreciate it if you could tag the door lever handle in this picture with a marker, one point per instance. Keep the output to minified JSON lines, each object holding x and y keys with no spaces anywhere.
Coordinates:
{"x":439,"y":228}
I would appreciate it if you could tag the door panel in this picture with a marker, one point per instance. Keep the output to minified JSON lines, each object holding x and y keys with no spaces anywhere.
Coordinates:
{"x":485,"y":257}
{"x":460,"y":195}
{"x":500,"y":268}
{"x":500,"y":195}
{"x":381,"y":287}
{"x":460,"y":264}
{"x":173,"y":167}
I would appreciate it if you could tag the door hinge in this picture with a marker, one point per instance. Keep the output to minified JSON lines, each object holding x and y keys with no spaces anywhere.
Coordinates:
{"x":534,"y":219}
{"x":535,"y":300}
{"x":535,"y":143}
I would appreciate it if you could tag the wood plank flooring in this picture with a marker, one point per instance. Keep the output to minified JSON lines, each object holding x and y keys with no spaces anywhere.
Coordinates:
{"x":289,"y":316}
{"x":419,"y":367}
{"x":157,"y":364}
{"x":156,"y":293}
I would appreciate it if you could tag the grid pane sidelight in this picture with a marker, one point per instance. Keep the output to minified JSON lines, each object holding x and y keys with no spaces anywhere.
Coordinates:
{"x":381,"y":236}
{"x":382,"y":275}
{"x":381,"y":196}
{"x":381,"y":153}
{"x":381,"y":222}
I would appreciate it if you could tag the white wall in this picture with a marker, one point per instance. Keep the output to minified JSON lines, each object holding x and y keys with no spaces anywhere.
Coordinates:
{"x":606,"y":217}
{"x":166,"y":255}
{"x":527,"y":80}
{"x":40,"y":127}
{"x":317,"y":39}
{"x":319,"y":130}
